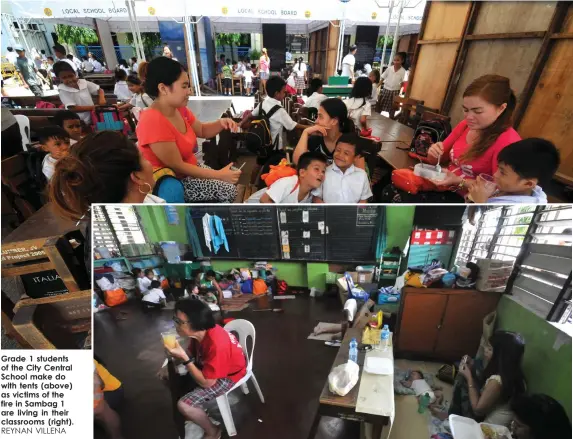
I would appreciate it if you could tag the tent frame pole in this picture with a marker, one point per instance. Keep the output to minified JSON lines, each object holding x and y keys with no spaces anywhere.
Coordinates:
{"x":386,"y":34}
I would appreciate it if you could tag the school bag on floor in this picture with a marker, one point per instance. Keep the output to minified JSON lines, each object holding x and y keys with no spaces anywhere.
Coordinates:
{"x":258,"y":138}
{"x":427,"y":133}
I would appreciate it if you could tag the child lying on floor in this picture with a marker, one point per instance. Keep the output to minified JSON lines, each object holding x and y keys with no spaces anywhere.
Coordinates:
{"x":417,"y":383}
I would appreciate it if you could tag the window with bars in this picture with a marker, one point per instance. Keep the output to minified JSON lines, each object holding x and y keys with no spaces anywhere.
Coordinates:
{"x":538,"y":240}
{"x":114,"y":226}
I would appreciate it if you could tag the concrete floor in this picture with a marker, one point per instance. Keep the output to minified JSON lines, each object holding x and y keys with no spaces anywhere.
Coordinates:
{"x":290,"y":369}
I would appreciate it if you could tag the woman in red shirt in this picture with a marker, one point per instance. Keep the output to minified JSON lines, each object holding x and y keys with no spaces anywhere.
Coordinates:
{"x":219,"y":355}
{"x":167,"y":135}
{"x":474,"y":144}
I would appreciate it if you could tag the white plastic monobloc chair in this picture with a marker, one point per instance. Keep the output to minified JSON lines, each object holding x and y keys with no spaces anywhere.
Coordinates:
{"x":24,"y":124}
{"x":244,"y":329}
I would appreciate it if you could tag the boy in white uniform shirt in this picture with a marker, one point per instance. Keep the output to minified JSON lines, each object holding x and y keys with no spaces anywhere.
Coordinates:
{"x":154,"y":298}
{"x":279,"y":120}
{"x":297,"y":188}
{"x":344,"y":182}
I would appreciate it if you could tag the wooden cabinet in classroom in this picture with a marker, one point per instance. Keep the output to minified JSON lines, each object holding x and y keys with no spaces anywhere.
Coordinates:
{"x":440,"y":323}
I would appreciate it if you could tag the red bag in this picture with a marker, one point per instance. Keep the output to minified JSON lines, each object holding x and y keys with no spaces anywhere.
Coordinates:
{"x":44,"y":104}
{"x":406,"y":180}
{"x":282,"y":287}
{"x":115,"y":297}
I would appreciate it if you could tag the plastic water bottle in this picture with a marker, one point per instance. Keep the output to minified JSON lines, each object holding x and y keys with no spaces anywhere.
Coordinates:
{"x":353,"y":352}
{"x":385,"y":337}
{"x":423,"y":402}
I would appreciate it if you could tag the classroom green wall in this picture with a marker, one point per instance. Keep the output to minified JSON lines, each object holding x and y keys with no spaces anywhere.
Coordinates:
{"x":399,"y":221}
{"x":547,"y":366}
{"x":154,"y":221}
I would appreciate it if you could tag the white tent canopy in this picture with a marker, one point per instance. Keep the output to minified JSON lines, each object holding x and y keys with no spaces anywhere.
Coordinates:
{"x":364,"y":12}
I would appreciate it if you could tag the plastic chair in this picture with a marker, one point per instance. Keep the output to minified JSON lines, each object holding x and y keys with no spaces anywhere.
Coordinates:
{"x":244,"y":329}
{"x":24,"y":124}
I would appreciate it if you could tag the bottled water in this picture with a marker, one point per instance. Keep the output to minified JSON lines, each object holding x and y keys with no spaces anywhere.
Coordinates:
{"x":353,"y":352}
{"x":385,"y":337}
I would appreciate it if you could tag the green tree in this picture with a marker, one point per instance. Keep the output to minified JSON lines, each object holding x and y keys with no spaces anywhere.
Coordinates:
{"x":230,"y":40}
{"x":388,"y":44}
{"x":150,"y":41}
{"x":73,"y":35}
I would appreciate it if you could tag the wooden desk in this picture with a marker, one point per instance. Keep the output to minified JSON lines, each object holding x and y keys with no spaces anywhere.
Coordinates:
{"x":344,"y":407}
{"x":395,"y":138}
{"x":208,"y":110}
{"x":42,"y":243}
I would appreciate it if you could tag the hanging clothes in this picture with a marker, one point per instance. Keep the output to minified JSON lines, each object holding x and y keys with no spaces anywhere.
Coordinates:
{"x":193,"y":236}
{"x":218,"y":236}
{"x":207,"y":230}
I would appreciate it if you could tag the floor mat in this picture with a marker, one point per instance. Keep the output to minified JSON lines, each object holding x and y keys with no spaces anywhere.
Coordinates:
{"x":322,"y":326}
{"x":237,"y":303}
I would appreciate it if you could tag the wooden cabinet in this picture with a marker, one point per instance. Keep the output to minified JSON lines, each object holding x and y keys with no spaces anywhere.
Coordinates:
{"x":441,"y":323}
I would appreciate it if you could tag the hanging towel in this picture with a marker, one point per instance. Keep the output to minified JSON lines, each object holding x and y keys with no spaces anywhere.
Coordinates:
{"x":218,"y":236}
{"x":193,"y":236}
{"x":207,"y":230}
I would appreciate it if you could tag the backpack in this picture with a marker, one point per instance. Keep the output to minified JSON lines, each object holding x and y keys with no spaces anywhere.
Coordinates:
{"x":34,"y":162}
{"x":258,"y":138}
{"x":45,"y":104}
{"x":168,"y":186}
{"x":282,"y":287}
{"x":426,"y":134}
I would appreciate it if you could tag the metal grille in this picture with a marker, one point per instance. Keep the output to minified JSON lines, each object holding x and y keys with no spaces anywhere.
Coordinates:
{"x":115,"y":226}
{"x":542,"y":276}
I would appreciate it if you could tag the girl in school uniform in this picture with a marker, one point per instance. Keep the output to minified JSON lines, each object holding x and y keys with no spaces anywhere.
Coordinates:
{"x":300,"y":80}
{"x":393,"y":78}
{"x":315,"y":96}
{"x":358,"y":103}
{"x":374,"y":76}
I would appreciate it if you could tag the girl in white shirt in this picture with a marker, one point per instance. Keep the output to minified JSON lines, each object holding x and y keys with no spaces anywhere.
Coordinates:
{"x":121,"y":89}
{"x":358,"y":104}
{"x":374,"y":77}
{"x":299,"y":69}
{"x":139,"y":98}
{"x":393,"y":78}
{"x":143,"y":282}
{"x":315,"y":96}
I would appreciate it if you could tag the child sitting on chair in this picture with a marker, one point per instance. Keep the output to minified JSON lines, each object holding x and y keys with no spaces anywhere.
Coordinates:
{"x":523,"y":168}
{"x":418,"y":384}
{"x":154,"y":298}
{"x":71,"y":122}
{"x":56,"y":142}
{"x":296,"y":188}
{"x":344,"y":182}
{"x":143,"y":282}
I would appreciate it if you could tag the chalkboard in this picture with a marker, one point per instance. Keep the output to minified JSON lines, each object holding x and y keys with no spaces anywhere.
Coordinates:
{"x":294,"y":233}
{"x":302,"y":232}
{"x":256,"y":232}
{"x":251,"y":232}
{"x":352,"y":233}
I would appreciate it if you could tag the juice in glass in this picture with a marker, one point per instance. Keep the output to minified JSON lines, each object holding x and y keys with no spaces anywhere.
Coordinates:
{"x":169,"y":339}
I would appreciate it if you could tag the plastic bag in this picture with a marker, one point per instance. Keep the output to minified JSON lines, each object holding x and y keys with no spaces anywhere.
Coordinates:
{"x":115,"y":297}
{"x":343,"y":378}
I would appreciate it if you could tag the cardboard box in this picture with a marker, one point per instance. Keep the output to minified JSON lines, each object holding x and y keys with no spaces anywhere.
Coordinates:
{"x":493,"y":274}
{"x":362,"y":277}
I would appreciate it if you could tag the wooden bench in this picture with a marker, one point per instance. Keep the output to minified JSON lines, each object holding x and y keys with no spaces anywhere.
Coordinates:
{"x":40,"y":244}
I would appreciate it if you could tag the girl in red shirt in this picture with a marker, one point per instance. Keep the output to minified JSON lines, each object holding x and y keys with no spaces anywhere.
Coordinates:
{"x":219,"y":355}
{"x":167,"y":135}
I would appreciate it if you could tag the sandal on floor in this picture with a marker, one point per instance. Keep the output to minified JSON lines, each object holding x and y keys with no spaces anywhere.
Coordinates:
{"x":333,"y":343}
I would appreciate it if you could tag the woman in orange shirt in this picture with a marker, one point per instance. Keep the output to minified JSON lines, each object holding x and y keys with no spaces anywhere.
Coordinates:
{"x":167,"y":134}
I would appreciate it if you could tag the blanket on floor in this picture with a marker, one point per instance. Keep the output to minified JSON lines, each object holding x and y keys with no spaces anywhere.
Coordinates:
{"x":237,"y":303}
